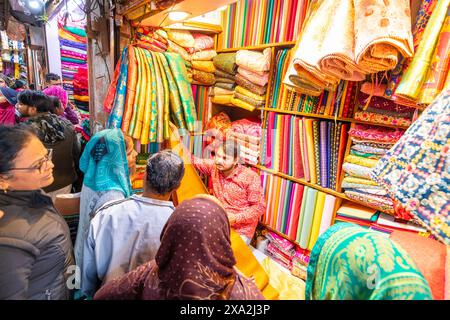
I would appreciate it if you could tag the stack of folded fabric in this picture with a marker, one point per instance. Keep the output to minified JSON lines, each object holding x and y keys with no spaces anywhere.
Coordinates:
{"x":247,"y":132}
{"x":280,"y":250}
{"x":202,"y":65}
{"x":370,"y":143}
{"x":377,"y":109}
{"x":80,"y":89}
{"x":153,"y":40}
{"x":72,"y":40}
{"x":225,"y":64}
{"x":300,"y":262}
{"x":252,"y":78}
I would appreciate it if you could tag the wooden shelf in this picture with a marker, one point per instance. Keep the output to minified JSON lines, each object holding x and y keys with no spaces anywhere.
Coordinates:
{"x":259,"y":47}
{"x":266,"y":226}
{"x":321,"y":116}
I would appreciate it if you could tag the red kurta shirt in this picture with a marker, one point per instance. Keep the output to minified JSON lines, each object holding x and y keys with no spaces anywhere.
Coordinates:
{"x":240,"y":193}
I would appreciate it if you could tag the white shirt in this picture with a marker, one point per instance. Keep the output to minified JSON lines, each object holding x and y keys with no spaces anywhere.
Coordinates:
{"x":123,"y":235}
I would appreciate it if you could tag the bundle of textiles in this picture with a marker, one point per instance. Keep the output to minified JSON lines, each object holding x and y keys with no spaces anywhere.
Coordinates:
{"x":80,"y":89}
{"x":380,"y":110}
{"x":370,"y":143}
{"x":300,"y":262}
{"x":252,"y":78}
{"x":280,"y":250}
{"x":225,"y":72}
{"x":247,"y":133}
{"x":73,"y":49}
{"x":147,"y":90}
{"x":353,"y":41}
{"x":196,"y":49}
{"x":417,"y":81}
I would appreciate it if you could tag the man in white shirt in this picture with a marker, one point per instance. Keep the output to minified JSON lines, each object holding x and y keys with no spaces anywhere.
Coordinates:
{"x":126,"y":233}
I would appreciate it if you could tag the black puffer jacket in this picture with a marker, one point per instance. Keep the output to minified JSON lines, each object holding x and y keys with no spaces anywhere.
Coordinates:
{"x":35,"y":248}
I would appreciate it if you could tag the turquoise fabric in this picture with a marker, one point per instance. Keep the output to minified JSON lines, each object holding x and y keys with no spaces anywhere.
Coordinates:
{"x":116,"y":115}
{"x":349,"y":262}
{"x":104,"y":162}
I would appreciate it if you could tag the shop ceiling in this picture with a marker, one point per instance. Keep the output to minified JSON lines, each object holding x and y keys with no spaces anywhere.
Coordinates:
{"x":144,"y":12}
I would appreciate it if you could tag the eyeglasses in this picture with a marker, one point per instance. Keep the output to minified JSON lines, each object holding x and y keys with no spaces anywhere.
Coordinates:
{"x":41,"y":166}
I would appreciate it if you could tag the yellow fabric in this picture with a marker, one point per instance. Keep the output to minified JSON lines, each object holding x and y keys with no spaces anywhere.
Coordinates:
{"x":366,"y":162}
{"x":317,"y":219}
{"x":289,"y":286}
{"x":207,"y":66}
{"x":414,"y":77}
{"x":242,"y":104}
{"x":140,"y":56}
{"x":359,"y":181}
{"x":191,"y":185}
{"x":181,"y":37}
{"x":222,"y":99}
{"x":249,"y":94}
{"x":310,"y":148}
{"x":81,"y":98}
{"x":147,"y":86}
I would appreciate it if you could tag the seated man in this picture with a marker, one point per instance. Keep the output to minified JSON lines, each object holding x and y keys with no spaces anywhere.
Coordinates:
{"x":237,"y":187}
{"x":124,"y":234}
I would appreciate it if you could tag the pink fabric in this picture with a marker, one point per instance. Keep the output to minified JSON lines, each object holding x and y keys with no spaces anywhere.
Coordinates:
{"x":7,"y":114}
{"x":254,"y":77}
{"x":74,"y":55}
{"x":375,"y":133}
{"x":249,"y":127}
{"x":254,"y":60}
{"x":202,"y":41}
{"x":59,"y":92}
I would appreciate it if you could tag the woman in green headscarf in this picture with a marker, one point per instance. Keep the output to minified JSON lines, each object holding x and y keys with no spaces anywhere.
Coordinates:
{"x":108,"y":161}
{"x":349,"y":262}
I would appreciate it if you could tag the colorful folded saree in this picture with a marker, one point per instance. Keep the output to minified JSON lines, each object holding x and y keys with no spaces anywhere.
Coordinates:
{"x":204,"y":78}
{"x":357,"y":170}
{"x":206,"y":66}
{"x":222,"y":74}
{"x":254,"y":60}
{"x":224,"y":80}
{"x":205,"y":55}
{"x":219,"y":91}
{"x":181,"y":37}
{"x":222,"y":99}
{"x":241,"y":81}
{"x":250,"y":94}
{"x":120,"y":88}
{"x":242,"y":104}
{"x":226,"y":86}
{"x":226,"y":62}
{"x":260,"y":80}
{"x":249,"y":100}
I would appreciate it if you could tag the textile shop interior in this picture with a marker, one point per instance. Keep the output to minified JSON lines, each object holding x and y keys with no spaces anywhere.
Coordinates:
{"x":242,"y":150}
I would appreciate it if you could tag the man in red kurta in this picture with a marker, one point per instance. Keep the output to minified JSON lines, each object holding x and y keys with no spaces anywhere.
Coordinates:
{"x":237,"y":187}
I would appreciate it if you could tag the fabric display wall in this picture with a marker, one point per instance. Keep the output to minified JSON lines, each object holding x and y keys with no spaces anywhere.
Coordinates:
{"x":417,"y":81}
{"x":73,"y":46}
{"x":148,"y":89}
{"x":376,"y":220}
{"x":305,"y":148}
{"x":339,"y":103}
{"x":349,"y":44}
{"x":12,"y":62}
{"x":252,"y":22}
{"x":196,"y":49}
{"x":369,"y":144}
{"x":297,"y":211}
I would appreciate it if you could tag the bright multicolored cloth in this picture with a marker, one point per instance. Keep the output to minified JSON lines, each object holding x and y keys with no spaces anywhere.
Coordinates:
{"x":416,"y":171}
{"x":349,"y":262}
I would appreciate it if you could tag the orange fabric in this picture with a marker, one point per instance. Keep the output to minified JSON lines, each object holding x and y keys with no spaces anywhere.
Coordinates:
{"x":429,"y":256}
{"x":131,"y":89}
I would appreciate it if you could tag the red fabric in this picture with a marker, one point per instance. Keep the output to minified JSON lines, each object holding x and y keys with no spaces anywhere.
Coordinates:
{"x":429,"y":256}
{"x":240,"y":194}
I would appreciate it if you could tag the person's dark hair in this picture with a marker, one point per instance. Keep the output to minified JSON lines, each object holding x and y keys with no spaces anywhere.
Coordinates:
{"x":12,"y":140}
{"x":32,"y":86}
{"x":36,"y":99}
{"x":56,"y":104}
{"x":231,"y":148}
{"x":165,"y":170}
{"x":51,"y":77}
{"x":18,"y":84}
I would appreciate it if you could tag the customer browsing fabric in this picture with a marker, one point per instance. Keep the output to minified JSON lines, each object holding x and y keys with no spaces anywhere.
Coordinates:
{"x":194,"y":261}
{"x":125,"y":234}
{"x":108,"y":161}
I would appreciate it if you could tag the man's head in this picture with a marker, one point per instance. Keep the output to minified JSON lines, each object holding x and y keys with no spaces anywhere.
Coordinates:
{"x":164,"y":172}
{"x":30,"y":103}
{"x":227,"y":155}
{"x":52,"y":79}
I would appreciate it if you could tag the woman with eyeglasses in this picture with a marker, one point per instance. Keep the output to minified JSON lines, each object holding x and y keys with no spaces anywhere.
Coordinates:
{"x":35,"y":245}
{"x":55,"y":133}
